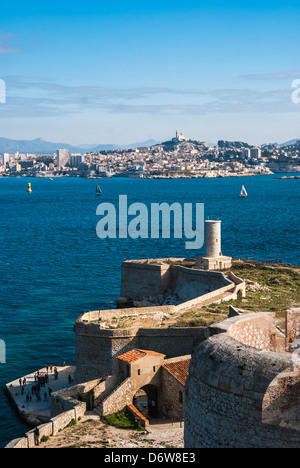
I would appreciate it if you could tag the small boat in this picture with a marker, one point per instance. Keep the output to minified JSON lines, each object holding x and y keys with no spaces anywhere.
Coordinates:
{"x":244,"y":193}
{"x":29,"y":189}
{"x":98,"y":191}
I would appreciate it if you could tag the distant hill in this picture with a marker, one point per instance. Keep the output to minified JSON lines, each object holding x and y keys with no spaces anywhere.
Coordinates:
{"x":291,"y":143}
{"x":37,"y":146}
{"x":40,"y":146}
{"x":140,"y":144}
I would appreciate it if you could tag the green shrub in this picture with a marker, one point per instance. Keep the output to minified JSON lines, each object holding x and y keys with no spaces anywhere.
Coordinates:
{"x":121,"y":420}
{"x":71,"y":423}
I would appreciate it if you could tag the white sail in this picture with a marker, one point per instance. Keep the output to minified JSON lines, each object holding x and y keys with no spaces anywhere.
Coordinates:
{"x":244,"y":192}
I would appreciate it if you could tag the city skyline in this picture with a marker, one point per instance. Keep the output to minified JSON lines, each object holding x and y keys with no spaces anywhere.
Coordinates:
{"x":115,"y":74}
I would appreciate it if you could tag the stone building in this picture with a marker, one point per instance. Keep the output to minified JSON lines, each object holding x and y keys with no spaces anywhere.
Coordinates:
{"x":150,"y":384}
{"x":243,"y":388}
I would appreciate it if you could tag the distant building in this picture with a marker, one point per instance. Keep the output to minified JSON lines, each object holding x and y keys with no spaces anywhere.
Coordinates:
{"x":5,"y":158}
{"x":76,"y":160}
{"x":62,"y":157}
{"x":256,"y":153}
{"x":246,"y":153}
{"x":180,"y":136}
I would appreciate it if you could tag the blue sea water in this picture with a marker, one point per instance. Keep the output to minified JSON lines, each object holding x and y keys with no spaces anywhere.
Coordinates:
{"x":53,"y":266}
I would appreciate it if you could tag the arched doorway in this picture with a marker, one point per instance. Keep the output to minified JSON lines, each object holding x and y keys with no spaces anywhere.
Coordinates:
{"x":146,"y":401}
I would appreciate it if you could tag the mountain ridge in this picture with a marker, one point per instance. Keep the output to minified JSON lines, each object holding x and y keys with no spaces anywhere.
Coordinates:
{"x":40,"y":146}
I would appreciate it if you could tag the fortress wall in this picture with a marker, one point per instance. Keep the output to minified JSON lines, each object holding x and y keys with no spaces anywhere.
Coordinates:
{"x":283,"y":397}
{"x":102,"y":390}
{"x":202,"y":300}
{"x":210,"y":279}
{"x":170,"y":405}
{"x":234,"y":391}
{"x":46,"y":430}
{"x":61,"y":421}
{"x":68,"y":398}
{"x":104,"y":315}
{"x":121,"y":397}
{"x":292,"y":326}
{"x":257,"y":330}
{"x":136,"y":311}
{"x":141,"y":280}
{"x":18,"y":444}
{"x":97,"y":348}
{"x":51,"y":428}
{"x":172,"y":342}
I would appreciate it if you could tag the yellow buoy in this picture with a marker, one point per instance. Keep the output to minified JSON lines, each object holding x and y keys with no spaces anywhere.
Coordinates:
{"x":29,"y":190}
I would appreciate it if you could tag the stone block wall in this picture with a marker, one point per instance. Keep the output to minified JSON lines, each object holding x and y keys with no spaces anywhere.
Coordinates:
{"x":103,"y":389}
{"x":67,"y":399}
{"x":120,"y":398}
{"x":97,"y":348}
{"x":257,"y":330}
{"x":141,"y":279}
{"x":292,"y":326}
{"x":171,"y":397}
{"x":236,"y":394}
{"x":18,"y":444}
{"x":51,"y":428}
{"x":61,"y":421}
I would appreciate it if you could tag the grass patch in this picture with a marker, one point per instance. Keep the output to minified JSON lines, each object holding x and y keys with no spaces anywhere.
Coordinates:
{"x":121,"y":420}
{"x":269,"y":288}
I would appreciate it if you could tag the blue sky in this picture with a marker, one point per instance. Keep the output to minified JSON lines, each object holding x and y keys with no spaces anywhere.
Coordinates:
{"x":120,"y":72}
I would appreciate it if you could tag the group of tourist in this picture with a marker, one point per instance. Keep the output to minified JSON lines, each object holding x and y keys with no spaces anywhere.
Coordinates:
{"x":41,"y":379}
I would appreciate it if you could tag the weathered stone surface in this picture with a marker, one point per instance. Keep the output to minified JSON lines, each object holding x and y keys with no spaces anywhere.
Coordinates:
{"x":238,"y":390}
{"x":18,"y":444}
{"x":61,"y":421}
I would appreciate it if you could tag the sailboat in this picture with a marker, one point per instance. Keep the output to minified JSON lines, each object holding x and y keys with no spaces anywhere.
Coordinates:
{"x":98,"y":191}
{"x":243,"y":193}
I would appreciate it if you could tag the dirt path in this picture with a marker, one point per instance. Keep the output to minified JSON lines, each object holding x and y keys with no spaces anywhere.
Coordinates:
{"x":92,"y":433}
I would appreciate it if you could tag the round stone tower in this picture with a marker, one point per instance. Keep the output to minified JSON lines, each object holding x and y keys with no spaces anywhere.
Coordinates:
{"x":213,"y":239}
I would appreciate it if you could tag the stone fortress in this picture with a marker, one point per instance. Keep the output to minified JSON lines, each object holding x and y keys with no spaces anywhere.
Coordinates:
{"x":235,"y":383}
{"x":243,"y":388}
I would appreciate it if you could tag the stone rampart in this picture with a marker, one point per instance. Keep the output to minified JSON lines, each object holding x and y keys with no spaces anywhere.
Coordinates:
{"x":55,"y":425}
{"x":292,"y":326}
{"x":238,"y":390}
{"x":143,"y":280}
{"x":98,"y":348}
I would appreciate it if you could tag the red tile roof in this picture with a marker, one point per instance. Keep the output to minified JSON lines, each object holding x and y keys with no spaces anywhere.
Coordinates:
{"x":136,"y":354}
{"x":179,"y":370}
{"x":151,"y":353}
{"x":137,"y":413}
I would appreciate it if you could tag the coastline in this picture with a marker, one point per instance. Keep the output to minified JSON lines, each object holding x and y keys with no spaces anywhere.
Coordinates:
{"x":158,"y":177}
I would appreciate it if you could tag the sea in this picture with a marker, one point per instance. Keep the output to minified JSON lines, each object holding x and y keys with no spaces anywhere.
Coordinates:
{"x":53,"y":266}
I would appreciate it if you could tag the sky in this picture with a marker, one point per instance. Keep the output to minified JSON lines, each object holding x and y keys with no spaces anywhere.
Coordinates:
{"x":121,"y":72}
